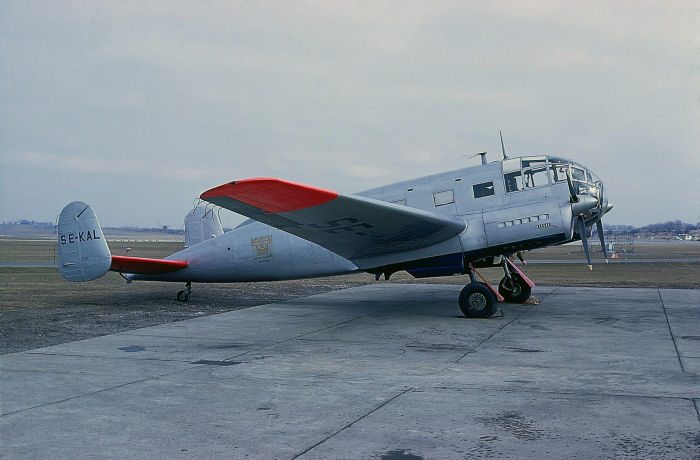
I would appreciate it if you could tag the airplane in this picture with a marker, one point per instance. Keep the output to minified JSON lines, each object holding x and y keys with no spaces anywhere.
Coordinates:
{"x":443,"y":224}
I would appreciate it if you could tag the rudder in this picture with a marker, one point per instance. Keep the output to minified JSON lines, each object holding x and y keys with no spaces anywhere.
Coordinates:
{"x":83,"y":254}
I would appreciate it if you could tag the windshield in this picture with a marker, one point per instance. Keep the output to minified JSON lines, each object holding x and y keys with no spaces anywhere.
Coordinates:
{"x":582,"y":179}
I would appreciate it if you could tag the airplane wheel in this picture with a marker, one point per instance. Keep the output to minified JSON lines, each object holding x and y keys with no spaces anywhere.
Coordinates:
{"x":515,"y":291}
{"x":183,"y":296}
{"x":477,"y":301}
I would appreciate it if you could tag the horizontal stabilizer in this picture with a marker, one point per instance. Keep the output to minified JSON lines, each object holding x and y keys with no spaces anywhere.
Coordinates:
{"x":143,"y":266}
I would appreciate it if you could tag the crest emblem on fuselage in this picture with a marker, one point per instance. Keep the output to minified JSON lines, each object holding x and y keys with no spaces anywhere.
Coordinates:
{"x":262,"y":248}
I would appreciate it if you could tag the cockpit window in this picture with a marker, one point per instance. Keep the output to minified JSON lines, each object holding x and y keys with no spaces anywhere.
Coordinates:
{"x":559,"y":171}
{"x":534,"y":177}
{"x":578,"y":173}
{"x":522,"y":173}
{"x":583,"y":180}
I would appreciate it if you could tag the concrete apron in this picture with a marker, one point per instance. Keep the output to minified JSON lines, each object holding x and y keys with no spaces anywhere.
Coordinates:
{"x":386,"y":371}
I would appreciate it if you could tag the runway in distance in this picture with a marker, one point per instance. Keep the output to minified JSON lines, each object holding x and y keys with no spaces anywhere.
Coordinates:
{"x":438,"y":225}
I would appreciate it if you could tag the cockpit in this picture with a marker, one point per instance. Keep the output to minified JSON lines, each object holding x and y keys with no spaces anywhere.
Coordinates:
{"x":538,"y":171}
{"x":529,"y":172}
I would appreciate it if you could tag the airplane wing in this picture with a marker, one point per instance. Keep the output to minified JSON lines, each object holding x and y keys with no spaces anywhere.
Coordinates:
{"x":352,"y":226}
{"x":144,"y":266}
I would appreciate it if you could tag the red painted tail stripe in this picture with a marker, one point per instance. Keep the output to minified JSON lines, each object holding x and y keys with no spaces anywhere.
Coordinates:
{"x":272,"y":195}
{"x":145,"y":266}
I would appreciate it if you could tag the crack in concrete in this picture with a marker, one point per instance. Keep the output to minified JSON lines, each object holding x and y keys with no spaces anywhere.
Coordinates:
{"x":75,"y":397}
{"x":353,"y":422}
{"x":494,"y":333}
{"x":189,"y":368}
{"x":297,"y":337}
{"x":673,"y":337}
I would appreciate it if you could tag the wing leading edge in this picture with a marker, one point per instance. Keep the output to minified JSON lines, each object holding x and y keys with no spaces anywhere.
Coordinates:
{"x":352,"y":226}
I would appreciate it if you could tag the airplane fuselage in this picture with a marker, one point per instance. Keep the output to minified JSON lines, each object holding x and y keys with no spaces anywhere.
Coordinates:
{"x":507,"y":206}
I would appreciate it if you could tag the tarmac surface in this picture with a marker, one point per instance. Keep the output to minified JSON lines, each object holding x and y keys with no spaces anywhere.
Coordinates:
{"x":384,"y":371}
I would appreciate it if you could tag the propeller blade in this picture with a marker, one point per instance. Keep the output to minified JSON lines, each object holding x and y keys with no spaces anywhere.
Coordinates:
{"x":599,"y":228}
{"x":584,"y":239}
{"x":572,"y":192}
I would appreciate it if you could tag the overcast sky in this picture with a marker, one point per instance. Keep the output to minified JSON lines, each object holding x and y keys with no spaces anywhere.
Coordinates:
{"x":138,"y":107}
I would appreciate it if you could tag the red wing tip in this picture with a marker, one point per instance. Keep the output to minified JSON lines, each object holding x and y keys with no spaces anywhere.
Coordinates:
{"x":272,"y":195}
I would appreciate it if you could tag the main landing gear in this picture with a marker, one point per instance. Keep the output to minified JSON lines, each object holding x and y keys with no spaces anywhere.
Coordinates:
{"x":184,"y":295}
{"x":477,"y":300}
{"x":480,"y":300}
{"x":513,"y":287}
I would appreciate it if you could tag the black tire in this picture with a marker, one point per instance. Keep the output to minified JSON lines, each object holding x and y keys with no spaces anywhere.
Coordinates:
{"x":477,"y":301}
{"x":183,"y":296}
{"x":516,"y":291}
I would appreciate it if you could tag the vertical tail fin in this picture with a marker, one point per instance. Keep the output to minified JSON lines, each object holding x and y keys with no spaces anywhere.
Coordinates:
{"x":201,"y":224}
{"x":83,"y":254}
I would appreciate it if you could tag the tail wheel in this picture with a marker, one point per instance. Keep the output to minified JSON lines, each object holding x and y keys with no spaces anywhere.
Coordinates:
{"x":515,"y":289}
{"x":477,"y":301}
{"x":183,"y":296}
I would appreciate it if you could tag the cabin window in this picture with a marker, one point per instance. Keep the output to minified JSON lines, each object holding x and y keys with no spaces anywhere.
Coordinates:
{"x":443,"y":198}
{"x":483,"y":189}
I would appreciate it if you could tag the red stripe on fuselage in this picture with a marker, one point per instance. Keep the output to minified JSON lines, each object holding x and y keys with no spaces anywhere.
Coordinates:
{"x":143,"y":266}
{"x":272,"y":195}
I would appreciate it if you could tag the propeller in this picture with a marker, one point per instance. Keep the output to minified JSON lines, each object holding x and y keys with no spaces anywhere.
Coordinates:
{"x":572,"y":191}
{"x":599,"y":228}
{"x":581,"y":224}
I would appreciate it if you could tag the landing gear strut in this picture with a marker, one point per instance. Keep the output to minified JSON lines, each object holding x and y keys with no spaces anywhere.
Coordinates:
{"x":184,"y":295}
{"x":480,"y":300}
{"x":513,"y":287}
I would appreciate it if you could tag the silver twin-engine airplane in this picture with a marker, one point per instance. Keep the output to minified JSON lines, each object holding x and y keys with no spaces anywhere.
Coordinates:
{"x":438,"y":225}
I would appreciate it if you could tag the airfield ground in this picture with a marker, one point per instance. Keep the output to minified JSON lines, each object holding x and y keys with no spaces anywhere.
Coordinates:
{"x":382,"y":370}
{"x":38,"y":308}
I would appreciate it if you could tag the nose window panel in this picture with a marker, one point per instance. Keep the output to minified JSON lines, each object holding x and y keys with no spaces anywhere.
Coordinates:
{"x":578,"y":174}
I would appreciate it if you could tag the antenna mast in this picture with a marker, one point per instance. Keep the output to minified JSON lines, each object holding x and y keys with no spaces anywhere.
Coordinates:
{"x":503,"y":149}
